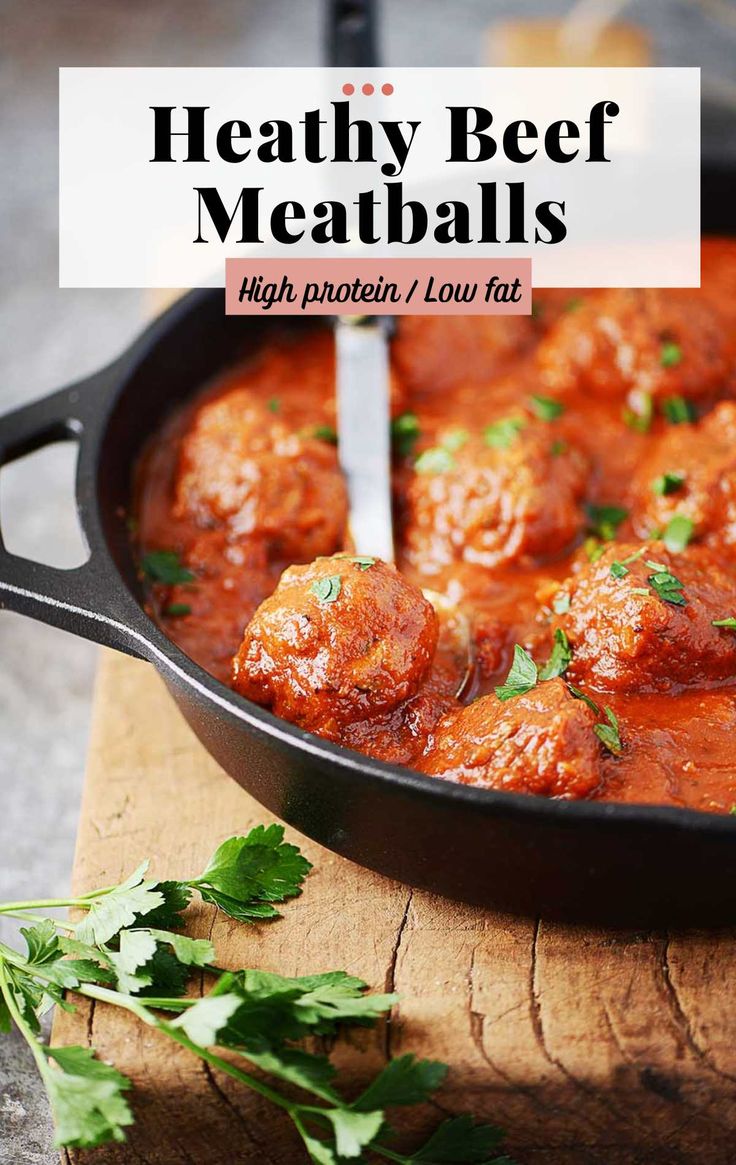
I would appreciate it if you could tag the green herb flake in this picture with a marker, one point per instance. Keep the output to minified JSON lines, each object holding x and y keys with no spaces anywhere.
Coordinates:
{"x":326,"y":589}
{"x":641,"y":591}
{"x":435,"y":460}
{"x":604,"y":521}
{"x":574,"y":304}
{"x":667,"y":587}
{"x":325,"y":433}
{"x":579,"y":694}
{"x":405,"y":432}
{"x":608,"y":732}
{"x":620,"y":569}
{"x":729,"y":624}
{"x":546,"y":408}
{"x":164,"y":566}
{"x":559,"y":660}
{"x":561,"y":603}
{"x":678,"y":410}
{"x":557,"y":448}
{"x":522,"y":676}
{"x":668,"y":483}
{"x":594,"y":549}
{"x":177,"y":610}
{"x":677,"y":533}
{"x":274,"y":405}
{"x":502,"y":434}
{"x":640,"y":414}
{"x":670,"y":355}
{"x":455,"y":439}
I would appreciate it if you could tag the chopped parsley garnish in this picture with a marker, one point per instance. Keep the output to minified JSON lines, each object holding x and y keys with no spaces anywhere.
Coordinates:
{"x":362,"y":561}
{"x":729,"y":623}
{"x":404,"y":433}
{"x":325,"y":433}
{"x":557,"y":448}
{"x":678,"y":410}
{"x":501,"y":434}
{"x":665,"y":585}
{"x":640,"y":413}
{"x":604,"y":521}
{"x":574,"y":303}
{"x":537,"y":312}
{"x":559,"y":660}
{"x":274,"y":404}
{"x":561,"y":603}
{"x":677,"y":533}
{"x":594,"y":549}
{"x":668,"y":483}
{"x":522,"y":676}
{"x":670,"y":354}
{"x":176,"y":610}
{"x":454,"y":440}
{"x":546,"y":408}
{"x":619,"y":569}
{"x":164,"y":566}
{"x":642,"y":591}
{"x":435,"y":460}
{"x":608,"y":732}
{"x":326,"y":589}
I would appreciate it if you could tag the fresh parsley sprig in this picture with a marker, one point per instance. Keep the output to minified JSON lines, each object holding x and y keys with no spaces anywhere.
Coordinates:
{"x":128,"y":951}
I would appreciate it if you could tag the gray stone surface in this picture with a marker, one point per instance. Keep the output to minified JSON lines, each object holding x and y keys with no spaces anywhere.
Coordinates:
{"x":49,"y":337}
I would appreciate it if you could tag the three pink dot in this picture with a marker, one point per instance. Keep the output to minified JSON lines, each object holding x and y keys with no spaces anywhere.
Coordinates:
{"x":367,"y":89}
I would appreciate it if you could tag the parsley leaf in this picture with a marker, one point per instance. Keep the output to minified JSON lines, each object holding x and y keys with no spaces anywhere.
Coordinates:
{"x":118,"y":908}
{"x":677,"y":533}
{"x":522,"y":676}
{"x":454,"y":439}
{"x":246,"y":874}
{"x":501,"y":434}
{"x":668,"y":483}
{"x":325,"y":433}
{"x":559,"y":660}
{"x":666,"y":586}
{"x":459,"y":1141}
{"x":327,"y":589}
{"x":86,"y":1099}
{"x":405,"y":432}
{"x":640,"y":414}
{"x":404,"y":1080}
{"x":729,"y":623}
{"x":435,"y":460}
{"x":678,"y":410}
{"x":177,"y":610}
{"x":670,"y":355}
{"x":608,"y":733}
{"x":273,"y":405}
{"x":362,"y":561}
{"x":546,"y":407}
{"x":164,"y":566}
{"x":604,"y":521}
{"x":620,"y":569}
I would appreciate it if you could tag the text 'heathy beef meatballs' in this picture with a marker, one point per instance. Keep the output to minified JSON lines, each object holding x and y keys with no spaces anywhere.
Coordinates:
{"x":242,"y":467}
{"x":340,"y":640}
{"x":541,"y":742}
{"x":509,"y":494}
{"x":642,"y":620}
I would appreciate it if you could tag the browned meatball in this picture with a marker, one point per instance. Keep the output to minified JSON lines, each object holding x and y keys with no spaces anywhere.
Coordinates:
{"x":480,"y":345}
{"x":541,"y":742}
{"x":639,"y":631}
{"x":691,"y":470}
{"x":337,"y":642}
{"x":241,"y":466}
{"x":625,"y":343}
{"x":495,"y":504}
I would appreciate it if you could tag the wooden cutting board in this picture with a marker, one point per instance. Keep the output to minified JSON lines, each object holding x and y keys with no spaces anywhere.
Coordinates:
{"x":587,"y":1046}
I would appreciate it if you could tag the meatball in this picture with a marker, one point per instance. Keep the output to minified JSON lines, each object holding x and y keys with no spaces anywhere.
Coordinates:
{"x":641,"y":620}
{"x":625,"y":343}
{"x":433,"y":353}
{"x":242,"y":467}
{"x":494,"y":504}
{"x":541,"y":742}
{"x":691,"y":470}
{"x":338,"y":641}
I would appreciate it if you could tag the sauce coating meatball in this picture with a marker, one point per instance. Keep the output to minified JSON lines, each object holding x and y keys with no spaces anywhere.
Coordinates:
{"x":337,"y":642}
{"x":495,"y":504}
{"x":691,"y":470}
{"x":626,"y":343}
{"x":650,"y":629}
{"x":242,"y":467}
{"x":480,"y":346}
{"x":541,"y":742}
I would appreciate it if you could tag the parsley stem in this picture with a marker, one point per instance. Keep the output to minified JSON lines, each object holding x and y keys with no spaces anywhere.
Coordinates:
{"x":43,"y":904}
{"x":27,"y":917}
{"x":20,"y":1021}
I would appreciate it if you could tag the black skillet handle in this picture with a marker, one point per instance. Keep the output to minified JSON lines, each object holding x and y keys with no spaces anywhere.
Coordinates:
{"x":87,"y":600}
{"x":351,"y":34}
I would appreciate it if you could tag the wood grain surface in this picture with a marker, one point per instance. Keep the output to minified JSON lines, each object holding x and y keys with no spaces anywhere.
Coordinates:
{"x":588,"y":1047}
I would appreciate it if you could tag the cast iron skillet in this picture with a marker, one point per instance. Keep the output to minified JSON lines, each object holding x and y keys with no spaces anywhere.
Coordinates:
{"x":583,"y":861}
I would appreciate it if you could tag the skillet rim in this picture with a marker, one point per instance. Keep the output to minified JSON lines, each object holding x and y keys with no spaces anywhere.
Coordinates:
{"x":163,"y":652}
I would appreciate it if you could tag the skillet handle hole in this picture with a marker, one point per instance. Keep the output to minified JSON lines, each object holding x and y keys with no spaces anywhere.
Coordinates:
{"x":38,"y":513}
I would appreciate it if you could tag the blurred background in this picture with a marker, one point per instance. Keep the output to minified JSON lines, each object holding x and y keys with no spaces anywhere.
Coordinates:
{"x":49,"y":337}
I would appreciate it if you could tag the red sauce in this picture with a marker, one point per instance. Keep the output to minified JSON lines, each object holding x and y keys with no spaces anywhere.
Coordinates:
{"x":581,"y":398}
